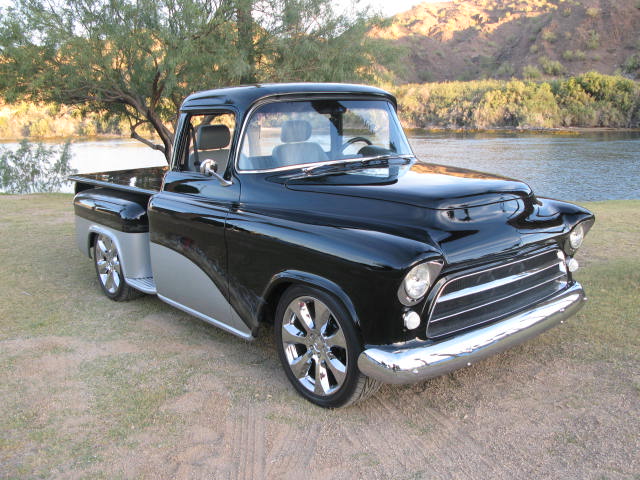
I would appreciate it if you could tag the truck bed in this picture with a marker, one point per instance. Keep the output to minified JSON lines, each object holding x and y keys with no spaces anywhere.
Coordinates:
{"x":138,"y":180}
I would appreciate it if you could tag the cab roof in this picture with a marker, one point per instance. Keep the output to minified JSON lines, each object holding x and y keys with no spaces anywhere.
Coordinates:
{"x":242,"y":97}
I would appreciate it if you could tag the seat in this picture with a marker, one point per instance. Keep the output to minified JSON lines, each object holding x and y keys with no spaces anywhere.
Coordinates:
{"x":295,"y":148}
{"x":211,"y":141}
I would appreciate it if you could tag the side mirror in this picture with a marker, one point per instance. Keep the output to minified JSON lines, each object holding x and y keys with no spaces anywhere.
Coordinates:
{"x":210,"y":167}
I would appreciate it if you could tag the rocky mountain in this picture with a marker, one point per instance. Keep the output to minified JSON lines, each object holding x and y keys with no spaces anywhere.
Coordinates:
{"x":472,"y":39}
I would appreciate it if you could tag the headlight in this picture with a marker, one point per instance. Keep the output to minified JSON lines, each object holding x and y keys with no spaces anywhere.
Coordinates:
{"x":576,"y":236}
{"x":417,"y":282}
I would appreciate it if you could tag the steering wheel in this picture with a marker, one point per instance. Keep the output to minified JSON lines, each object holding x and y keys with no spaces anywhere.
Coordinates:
{"x":354,"y":140}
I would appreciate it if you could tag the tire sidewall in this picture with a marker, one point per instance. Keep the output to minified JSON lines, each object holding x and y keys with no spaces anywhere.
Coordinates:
{"x":354,"y":345}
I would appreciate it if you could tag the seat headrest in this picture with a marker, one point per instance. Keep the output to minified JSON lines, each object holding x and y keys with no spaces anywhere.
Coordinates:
{"x":295,"y":131}
{"x":211,"y":137}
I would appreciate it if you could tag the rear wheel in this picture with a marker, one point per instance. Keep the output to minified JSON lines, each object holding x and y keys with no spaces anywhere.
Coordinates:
{"x":319,"y":347}
{"x":109,"y":270}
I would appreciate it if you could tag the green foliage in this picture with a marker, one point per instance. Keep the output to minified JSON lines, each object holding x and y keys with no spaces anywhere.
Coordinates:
{"x":600,"y":100}
{"x":549,"y":36}
{"x":138,"y":59}
{"x":592,"y":12}
{"x":551,"y":67}
{"x":574,"y":55}
{"x":23,"y":119}
{"x":517,"y":104}
{"x":588,"y":100}
{"x":30,"y":169}
{"x":593,"y":40}
{"x":631,"y":66}
{"x":531,"y":72}
{"x":506,"y":69}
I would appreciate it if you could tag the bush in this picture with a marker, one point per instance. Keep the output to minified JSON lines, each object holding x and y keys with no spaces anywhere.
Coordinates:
{"x":31,"y":170}
{"x":631,"y":66}
{"x":551,"y":67}
{"x":597,"y":100}
{"x":572,"y":55}
{"x":592,"y":12}
{"x":593,"y":40}
{"x":517,"y":104}
{"x":588,"y":100}
{"x":549,"y":36}
{"x":531,"y":72}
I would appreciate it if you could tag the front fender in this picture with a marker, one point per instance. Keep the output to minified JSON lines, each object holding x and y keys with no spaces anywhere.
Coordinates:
{"x":305,"y":278}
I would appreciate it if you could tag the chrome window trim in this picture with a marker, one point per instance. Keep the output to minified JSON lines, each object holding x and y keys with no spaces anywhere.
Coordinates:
{"x":308,"y":96}
{"x":185,"y":117}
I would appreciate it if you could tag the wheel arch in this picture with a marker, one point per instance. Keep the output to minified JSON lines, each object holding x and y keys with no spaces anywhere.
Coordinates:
{"x":91,"y":238}
{"x":280,"y":282}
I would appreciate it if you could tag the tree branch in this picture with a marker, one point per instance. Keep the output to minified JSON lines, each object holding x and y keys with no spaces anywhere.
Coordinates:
{"x":148,"y":143}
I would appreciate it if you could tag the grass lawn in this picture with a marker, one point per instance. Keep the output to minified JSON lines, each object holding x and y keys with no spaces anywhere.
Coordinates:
{"x":90,"y":388}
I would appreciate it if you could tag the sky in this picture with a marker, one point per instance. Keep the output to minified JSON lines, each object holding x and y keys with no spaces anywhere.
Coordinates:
{"x":391,"y":7}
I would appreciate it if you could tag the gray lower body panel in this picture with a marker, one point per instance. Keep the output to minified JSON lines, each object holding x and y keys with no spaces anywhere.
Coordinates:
{"x":133,"y":248}
{"x":184,"y":285}
{"x":174,"y":278}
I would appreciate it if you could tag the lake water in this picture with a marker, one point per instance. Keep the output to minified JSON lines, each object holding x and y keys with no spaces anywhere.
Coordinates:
{"x":598,"y":166}
{"x":595,"y":166}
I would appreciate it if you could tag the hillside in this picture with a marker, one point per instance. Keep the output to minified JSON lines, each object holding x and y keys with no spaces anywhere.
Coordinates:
{"x":473,"y":39}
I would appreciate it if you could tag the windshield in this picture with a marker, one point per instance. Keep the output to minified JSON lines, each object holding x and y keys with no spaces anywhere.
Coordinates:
{"x":283,"y":134}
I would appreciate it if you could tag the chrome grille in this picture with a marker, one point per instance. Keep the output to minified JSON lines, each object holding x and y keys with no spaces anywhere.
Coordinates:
{"x":467,"y":300}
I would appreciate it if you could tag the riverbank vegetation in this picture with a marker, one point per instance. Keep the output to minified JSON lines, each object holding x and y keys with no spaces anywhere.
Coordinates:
{"x":588,"y":100}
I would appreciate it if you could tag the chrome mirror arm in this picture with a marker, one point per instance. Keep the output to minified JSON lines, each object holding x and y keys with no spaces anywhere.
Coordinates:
{"x":209,"y":167}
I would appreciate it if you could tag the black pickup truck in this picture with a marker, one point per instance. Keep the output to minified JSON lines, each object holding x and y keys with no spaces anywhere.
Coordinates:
{"x":302,"y":205}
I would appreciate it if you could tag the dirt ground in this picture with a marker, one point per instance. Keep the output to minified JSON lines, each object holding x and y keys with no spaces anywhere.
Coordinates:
{"x":90,"y":388}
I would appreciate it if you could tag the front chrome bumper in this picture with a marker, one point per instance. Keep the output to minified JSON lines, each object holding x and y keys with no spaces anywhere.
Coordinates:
{"x":415,"y":361}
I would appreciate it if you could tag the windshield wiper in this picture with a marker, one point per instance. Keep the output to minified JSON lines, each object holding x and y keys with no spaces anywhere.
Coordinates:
{"x":359,"y":164}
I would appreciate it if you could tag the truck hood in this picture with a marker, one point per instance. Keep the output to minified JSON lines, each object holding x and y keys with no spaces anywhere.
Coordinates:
{"x":463,"y":214}
{"x":419,"y":184}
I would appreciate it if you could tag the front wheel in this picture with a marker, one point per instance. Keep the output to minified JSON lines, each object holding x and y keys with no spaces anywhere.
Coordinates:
{"x":319,"y":347}
{"x":109,"y":270}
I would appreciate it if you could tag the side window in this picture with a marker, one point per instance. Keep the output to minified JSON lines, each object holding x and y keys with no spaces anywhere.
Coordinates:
{"x":209,"y":138}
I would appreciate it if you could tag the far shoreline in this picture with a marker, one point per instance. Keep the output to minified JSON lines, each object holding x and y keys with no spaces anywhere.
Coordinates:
{"x":577,"y":131}
{"x":568,"y":131}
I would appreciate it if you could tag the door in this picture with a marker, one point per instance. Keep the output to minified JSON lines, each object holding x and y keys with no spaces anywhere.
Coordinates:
{"x":187,"y":224}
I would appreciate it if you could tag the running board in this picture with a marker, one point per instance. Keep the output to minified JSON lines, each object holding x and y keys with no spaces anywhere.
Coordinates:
{"x":145,"y":284}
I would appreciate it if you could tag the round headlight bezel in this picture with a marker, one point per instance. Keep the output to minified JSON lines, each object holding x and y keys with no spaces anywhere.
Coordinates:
{"x":417,"y":282}
{"x":576,"y":237}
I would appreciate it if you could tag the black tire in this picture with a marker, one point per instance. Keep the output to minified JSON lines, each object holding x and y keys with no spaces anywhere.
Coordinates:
{"x":106,"y":260}
{"x":326,"y":346}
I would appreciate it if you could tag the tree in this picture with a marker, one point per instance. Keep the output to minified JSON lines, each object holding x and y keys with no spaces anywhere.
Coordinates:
{"x":138,"y":59}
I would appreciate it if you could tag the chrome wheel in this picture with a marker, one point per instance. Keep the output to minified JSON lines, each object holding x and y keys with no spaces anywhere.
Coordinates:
{"x":108,"y":264}
{"x":314,"y":345}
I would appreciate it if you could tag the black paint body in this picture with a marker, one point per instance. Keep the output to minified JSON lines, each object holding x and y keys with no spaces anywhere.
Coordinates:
{"x":355,"y":236}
